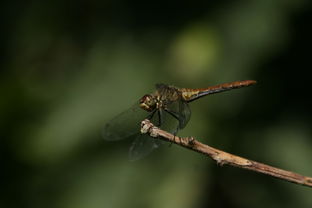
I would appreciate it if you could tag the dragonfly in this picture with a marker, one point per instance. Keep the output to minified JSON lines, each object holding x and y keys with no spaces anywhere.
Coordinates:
{"x":167,"y":108}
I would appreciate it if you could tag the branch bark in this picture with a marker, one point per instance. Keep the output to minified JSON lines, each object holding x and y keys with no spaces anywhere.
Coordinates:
{"x":224,"y":158}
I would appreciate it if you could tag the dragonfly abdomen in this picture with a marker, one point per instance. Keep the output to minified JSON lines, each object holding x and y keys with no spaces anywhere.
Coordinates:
{"x":193,"y":94}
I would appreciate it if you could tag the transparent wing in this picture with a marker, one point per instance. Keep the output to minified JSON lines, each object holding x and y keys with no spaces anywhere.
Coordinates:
{"x":184,"y":113}
{"x":125,"y":124}
{"x":142,"y":146}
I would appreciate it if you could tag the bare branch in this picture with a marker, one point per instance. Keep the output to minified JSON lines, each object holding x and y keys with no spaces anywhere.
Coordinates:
{"x":224,"y":158}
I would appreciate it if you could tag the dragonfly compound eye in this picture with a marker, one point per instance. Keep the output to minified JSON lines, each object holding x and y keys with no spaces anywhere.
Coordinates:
{"x":147,"y":103}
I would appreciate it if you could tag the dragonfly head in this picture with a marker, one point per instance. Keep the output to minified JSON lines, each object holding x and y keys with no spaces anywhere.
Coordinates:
{"x":148,"y":103}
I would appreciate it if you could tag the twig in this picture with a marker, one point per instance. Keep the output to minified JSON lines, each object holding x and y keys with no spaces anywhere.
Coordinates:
{"x":224,"y":158}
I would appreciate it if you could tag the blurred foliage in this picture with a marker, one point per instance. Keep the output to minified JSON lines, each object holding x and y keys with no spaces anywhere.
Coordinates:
{"x":68,"y":67}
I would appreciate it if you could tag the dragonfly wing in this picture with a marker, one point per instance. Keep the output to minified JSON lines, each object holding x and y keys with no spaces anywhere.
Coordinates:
{"x":142,"y":146}
{"x":181,"y":111}
{"x":125,"y":124}
{"x":184,"y":113}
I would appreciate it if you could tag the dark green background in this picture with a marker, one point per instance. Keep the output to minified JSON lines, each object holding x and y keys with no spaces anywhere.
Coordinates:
{"x":67,"y":67}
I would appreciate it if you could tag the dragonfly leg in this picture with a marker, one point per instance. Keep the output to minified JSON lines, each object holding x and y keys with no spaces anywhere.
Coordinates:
{"x":173,"y":114}
{"x":160,"y":115}
{"x":151,"y":115}
{"x":176,"y":117}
